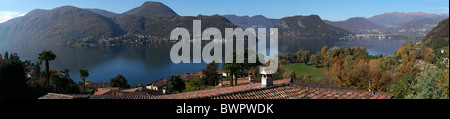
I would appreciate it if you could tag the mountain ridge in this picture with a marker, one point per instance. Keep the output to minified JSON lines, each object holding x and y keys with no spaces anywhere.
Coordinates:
{"x":257,"y":21}
{"x":439,"y":36}
{"x":104,"y":12}
{"x":417,"y":27}
{"x":395,"y":23}
{"x":71,"y":24}
{"x":152,"y":9}
{"x":357,"y":25}
{"x":66,"y":24}
{"x":308,"y":27}
{"x":58,"y":26}
{"x":393,"y":19}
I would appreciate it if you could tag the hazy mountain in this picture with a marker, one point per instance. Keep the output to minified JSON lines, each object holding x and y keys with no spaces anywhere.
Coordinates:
{"x":439,"y":36}
{"x":152,"y":9}
{"x":104,"y":13}
{"x":396,"y":19}
{"x":57,"y":26}
{"x":396,"y":23}
{"x":308,"y":27}
{"x":417,"y":27}
{"x":257,"y":21}
{"x":357,"y":25}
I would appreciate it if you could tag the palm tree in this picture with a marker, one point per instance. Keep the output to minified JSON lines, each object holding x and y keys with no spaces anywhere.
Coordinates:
{"x":83,"y":75}
{"x":229,"y":69}
{"x":47,"y":55}
{"x":234,"y":68}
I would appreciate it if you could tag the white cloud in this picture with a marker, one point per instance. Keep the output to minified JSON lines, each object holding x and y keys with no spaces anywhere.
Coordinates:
{"x":7,"y":15}
{"x":445,"y":9}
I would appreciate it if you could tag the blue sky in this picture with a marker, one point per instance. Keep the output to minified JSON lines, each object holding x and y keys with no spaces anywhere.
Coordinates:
{"x":328,"y":9}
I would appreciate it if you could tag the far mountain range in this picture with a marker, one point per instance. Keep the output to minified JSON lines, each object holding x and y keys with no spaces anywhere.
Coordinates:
{"x":396,"y":23}
{"x":71,"y":24}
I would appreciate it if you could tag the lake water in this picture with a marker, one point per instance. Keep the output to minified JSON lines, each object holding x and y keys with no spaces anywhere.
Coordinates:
{"x":146,"y":63}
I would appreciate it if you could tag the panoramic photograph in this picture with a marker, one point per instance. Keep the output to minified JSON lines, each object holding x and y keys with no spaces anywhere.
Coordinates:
{"x":233,"y":49}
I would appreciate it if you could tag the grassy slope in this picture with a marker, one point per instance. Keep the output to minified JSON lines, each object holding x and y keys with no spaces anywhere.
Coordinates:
{"x":308,"y":70}
{"x":191,"y":86}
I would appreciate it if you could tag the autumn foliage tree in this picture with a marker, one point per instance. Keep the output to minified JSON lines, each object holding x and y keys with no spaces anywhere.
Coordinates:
{"x":351,"y":67}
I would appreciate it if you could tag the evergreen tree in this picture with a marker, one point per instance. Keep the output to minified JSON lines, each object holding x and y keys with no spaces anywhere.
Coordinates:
{"x":119,"y":81}
{"x":401,"y":85}
{"x":427,"y":85}
{"x":12,"y":80}
{"x":210,"y":74}
{"x":6,"y":55}
{"x":176,"y":84}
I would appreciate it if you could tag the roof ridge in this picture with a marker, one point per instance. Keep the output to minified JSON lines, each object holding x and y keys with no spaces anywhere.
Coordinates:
{"x":330,"y":87}
{"x":249,"y":90}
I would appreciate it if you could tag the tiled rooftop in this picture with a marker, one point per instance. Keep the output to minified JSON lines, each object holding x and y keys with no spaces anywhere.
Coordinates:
{"x":280,"y":90}
{"x":198,"y":94}
{"x":304,"y":90}
{"x":102,"y":91}
{"x":240,"y":81}
{"x":63,"y":96}
{"x":191,"y":76}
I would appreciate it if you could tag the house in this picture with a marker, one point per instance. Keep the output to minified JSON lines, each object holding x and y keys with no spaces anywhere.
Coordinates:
{"x":65,"y":73}
{"x":33,"y":74}
{"x":191,"y":76}
{"x":240,"y":81}
{"x":31,"y":70}
{"x":445,"y":62}
{"x":52,"y":71}
{"x":198,"y":75}
{"x":158,"y":85}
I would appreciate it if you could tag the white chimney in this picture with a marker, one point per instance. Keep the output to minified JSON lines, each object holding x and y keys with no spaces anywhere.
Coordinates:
{"x":266,"y":78}
{"x":164,"y":91}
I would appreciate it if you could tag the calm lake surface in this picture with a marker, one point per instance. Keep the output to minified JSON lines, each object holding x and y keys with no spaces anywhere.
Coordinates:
{"x":146,"y":63}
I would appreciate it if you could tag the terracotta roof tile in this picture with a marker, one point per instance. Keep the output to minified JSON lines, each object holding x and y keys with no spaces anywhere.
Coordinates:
{"x":305,"y":90}
{"x":63,"y":96}
{"x":280,"y":90}
{"x":102,"y":91}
